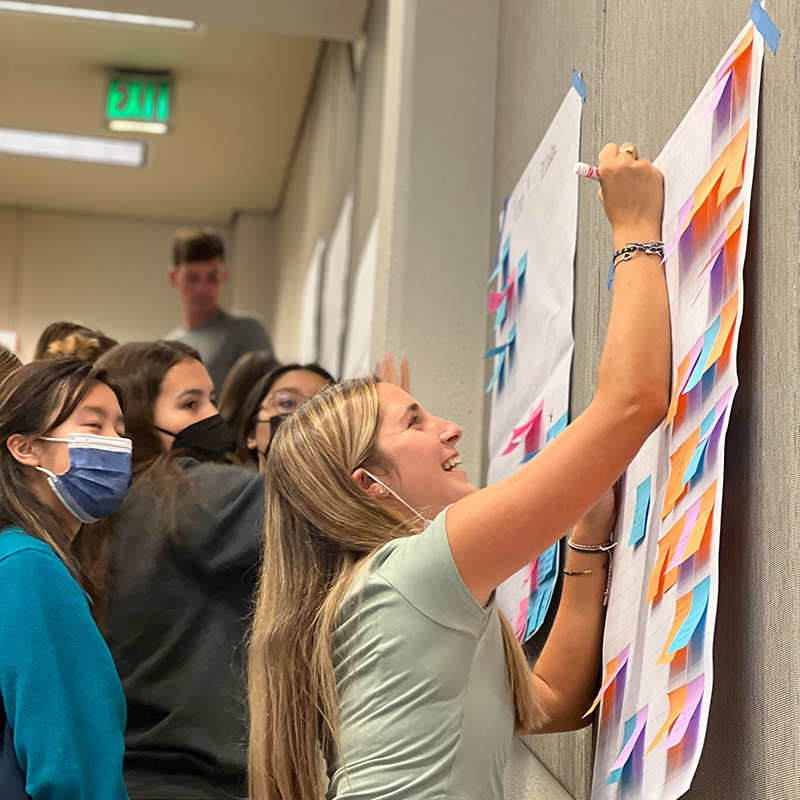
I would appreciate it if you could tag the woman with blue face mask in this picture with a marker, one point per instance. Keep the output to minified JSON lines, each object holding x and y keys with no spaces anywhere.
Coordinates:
{"x":186,"y":548}
{"x":64,"y":461}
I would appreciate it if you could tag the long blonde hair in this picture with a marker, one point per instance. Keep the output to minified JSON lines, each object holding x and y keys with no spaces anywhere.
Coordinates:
{"x":320,"y":526}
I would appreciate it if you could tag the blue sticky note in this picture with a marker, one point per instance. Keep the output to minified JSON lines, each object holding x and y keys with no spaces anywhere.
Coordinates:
{"x":696,"y":464}
{"x":504,"y":251}
{"x":537,"y":608}
{"x":495,"y":273}
{"x":765,"y":26}
{"x":708,"y":423}
{"x":616,"y":774}
{"x":579,"y":85}
{"x":512,"y":336}
{"x":698,"y":609}
{"x":709,"y":337}
{"x":522,"y":266}
{"x":640,"y":513}
{"x":498,"y":369}
{"x":557,"y":427}
{"x":547,"y":562}
{"x":610,"y":278}
{"x":495,"y":351}
{"x":529,"y":457}
{"x":502,"y":310}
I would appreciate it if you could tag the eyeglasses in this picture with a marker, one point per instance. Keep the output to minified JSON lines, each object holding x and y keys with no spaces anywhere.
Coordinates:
{"x":286,"y":401}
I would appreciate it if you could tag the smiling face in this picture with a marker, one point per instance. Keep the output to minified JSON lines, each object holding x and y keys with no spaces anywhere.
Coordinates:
{"x":425,"y":469}
{"x":98,"y":413}
{"x":186,"y":396}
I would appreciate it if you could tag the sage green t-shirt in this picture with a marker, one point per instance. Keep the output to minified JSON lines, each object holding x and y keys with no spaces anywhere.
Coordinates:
{"x":425,"y":709}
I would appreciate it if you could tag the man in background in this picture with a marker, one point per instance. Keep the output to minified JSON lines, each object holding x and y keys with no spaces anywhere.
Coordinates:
{"x":198,"y":272}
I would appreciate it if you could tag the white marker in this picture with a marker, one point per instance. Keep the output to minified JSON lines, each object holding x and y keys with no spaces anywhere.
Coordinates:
{"x":587,"y":171}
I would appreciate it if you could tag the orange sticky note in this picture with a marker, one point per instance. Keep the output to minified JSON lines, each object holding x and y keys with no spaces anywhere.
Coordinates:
{"x":735,"y":224}
{"x":666,"y":547}
{"x":678,"y":462}
{"x":703,"y":521}
{"x":740,"y":54}
{"x":677,"y":701}
{"x":680,"y":382}
{"x":682,"y":609}
{"x":734,"y":155}
{"x":671,"y":577}
{"x":727,"y":320}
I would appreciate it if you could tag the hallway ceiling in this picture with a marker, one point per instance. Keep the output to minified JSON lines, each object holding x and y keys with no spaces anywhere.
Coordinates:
{"x":240,"y":89}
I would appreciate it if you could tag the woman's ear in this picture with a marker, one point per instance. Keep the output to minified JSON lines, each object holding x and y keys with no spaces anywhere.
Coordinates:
{"x":23,"y":449}
{"x":368,"y":484}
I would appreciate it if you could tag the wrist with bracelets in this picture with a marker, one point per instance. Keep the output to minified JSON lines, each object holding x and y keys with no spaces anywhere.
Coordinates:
{"x":605,"y":547}
{"x":626,"y":253}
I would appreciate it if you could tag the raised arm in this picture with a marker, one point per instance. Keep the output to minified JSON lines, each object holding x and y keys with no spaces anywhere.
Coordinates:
{"x":496,"y":531}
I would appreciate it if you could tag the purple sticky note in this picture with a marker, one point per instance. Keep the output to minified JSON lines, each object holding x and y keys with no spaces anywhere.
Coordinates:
{"x":694,"y":694}
{"x":683,"y":215}
{"x":716,"y":96}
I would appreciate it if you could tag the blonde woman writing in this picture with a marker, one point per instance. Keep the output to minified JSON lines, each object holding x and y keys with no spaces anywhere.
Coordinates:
{"x":377,"y":645}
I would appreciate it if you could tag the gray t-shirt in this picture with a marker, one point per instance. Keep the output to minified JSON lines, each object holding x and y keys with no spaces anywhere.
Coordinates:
{"x":221,"y":340}
{"x":425,"y":706}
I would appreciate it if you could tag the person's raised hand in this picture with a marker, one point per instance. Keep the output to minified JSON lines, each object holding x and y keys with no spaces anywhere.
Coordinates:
{"x":632,"y":192}
{"x":387,"y":372}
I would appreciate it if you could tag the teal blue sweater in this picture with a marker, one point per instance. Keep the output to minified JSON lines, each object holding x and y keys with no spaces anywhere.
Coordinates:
{"x":62,"y":711}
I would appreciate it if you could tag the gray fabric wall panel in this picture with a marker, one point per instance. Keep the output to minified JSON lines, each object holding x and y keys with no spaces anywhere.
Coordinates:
{"x":644,"y":64}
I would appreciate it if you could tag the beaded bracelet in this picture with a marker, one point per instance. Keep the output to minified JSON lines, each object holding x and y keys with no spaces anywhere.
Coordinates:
{"x":626,"y":254}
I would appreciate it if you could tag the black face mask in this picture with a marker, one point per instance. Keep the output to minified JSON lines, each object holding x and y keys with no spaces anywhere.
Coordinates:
{"x":274,"y":423}
{"x":208,"y":440}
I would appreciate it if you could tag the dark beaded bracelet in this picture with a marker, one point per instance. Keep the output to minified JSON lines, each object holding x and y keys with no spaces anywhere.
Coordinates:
{"x":626,"y":253}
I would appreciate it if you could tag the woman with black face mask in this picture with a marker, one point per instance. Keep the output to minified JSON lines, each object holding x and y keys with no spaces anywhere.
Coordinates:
{"x":186,"y":547}
{"x":271,"y":400}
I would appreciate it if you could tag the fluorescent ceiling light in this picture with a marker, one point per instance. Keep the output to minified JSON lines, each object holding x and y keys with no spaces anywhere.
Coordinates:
{"x":100,"y":16}
{"x":134,"y":126}
{"x":65,"y":146}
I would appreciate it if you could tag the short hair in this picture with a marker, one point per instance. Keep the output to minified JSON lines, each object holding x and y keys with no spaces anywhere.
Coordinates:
{"x":196,"y":244}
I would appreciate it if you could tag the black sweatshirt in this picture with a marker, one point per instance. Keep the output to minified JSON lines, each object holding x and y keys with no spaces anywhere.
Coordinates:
{"x":178,"y":619}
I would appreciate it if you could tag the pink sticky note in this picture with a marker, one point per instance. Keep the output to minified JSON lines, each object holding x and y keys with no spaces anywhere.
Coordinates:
{"x":512,"y":445}
{"x":692,"y":513}
{"x":612,"y":671}
{"x":641,"y":720}
{"x":683,"y":215}
{"x":495,"y":298}
{"x":533,"y":576}
{"x":694,"y":694}
{"x":522,"y":618}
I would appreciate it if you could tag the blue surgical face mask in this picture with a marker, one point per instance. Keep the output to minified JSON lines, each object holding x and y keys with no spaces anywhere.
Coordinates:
{"x":98,"y":477}
{"x":397,"y":497}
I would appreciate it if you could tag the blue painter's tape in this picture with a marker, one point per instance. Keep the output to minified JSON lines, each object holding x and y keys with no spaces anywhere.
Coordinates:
{"x":579,"y":85}
{"x":764,"y":25}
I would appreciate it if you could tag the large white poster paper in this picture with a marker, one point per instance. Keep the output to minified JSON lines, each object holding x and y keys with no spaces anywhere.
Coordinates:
{"x":308,"y":346}
{"x":358,"y":344}
{"x":662,"y":609}
{"x":532,"y":303}
{"x":334,"y":290}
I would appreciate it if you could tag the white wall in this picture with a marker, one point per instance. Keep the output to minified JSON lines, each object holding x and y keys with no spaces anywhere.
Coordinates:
{"x":105,"y":272}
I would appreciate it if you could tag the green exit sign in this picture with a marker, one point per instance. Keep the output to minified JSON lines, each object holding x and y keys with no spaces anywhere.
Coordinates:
{"x":139,"y":98}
